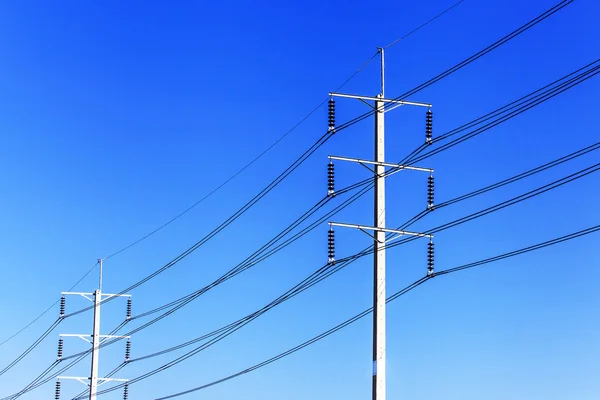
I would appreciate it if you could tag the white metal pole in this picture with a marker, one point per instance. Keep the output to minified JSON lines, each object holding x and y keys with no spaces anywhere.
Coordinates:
{"x":96,"y":338}
{"x":379,"y":336}
{"x":382,"y":72}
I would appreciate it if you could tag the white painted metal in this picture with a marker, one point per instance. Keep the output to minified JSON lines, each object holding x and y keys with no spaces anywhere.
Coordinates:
{"x":84,"y":295}
{"x":378,"y":229}
{"x":87,"y":295}
{"x":78,"y":293}
{"x":81,"y":379}
{"x":379,"y":321}
{"x":107,"y":295}
{"x":85,"y":380}
{"x":382,"y":55}
{"x":381,"y":99}
{"x":385,"y":164}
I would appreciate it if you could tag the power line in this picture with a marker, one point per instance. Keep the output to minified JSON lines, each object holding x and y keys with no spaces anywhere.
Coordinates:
{"x":422,"y":25}
{"x":350,"y":259}
{"x":502,"y":183}
{"x":404,"y":226}
{"x":537,"y":101}
{"x":501,"y":115}
{"x":504,"y":40}
{"x":346,"y":125}
{"x":33,"y":384}
{"x":240,"y":267}
{"x":48,"y":309}
{"x":469,"y":60}
{"x":424,"y":85}
{"x":324,"y":272}
{"x":41,"y":338}
{"x":31,"y":347}
{"x":433,"y":80}
{"x":390,"y":299}
{"x":522,"y":175}
{"x":363,"y":66}
{"x":515,"y":200}
{"x":41,"y":380}
{"x":254,"y":160}
{"x":274,"y":183}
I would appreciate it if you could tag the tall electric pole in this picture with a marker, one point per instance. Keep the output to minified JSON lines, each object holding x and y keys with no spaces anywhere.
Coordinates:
{"x":379,"y":222}
{"x":379,"y":321}
{"x":93,"y":381}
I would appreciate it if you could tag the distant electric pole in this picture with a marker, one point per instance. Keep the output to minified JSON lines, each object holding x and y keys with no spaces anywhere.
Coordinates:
{"x":379,"y":227}
{"x":96,"y":340}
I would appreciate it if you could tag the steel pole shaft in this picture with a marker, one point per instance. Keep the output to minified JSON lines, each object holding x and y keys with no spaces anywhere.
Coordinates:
{"x":379,"y":323}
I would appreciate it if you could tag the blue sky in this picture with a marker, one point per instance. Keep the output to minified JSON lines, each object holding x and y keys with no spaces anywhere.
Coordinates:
{"x":116,"y":117}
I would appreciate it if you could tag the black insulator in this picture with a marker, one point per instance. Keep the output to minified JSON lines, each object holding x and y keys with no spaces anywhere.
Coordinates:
{"x":330,"y":179}
{"x":60,"y":348}
{"x":430,"y":258}
{"x":57,"y":391}
{"x":125,"y":392}
{"x":331,"y":114}
{"x":128,"y":309}
{"x":62,"y":306}
{"x":331,"y":245}
{"x":127,"y":350}
{"x":430,"y":192}
{"x":428,"y":127}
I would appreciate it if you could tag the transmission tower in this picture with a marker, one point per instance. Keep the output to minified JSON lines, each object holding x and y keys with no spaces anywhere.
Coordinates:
{"x":380,"y":105}
{"x":95,"y":340}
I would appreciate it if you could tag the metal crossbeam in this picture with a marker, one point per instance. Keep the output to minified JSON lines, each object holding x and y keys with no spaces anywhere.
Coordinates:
{"x":85,"y":337}
{"x":372,"y":228}
{"x":371,"y":98}
{"x":85,"y":380}
{"x":88,"y":295}
{"x":379,"y":163}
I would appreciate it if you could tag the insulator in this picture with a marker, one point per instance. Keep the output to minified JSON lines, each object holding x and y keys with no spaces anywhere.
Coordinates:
{"x":62,"y":306}
{"x":331,"y":245}
{"x":331,"y":115}
{"x":430,"y":192}
{"x":128,"y":309}
{"x":60,"y":349}
{"x":330,"y":179}
{"x":127,"y":350}
{"x":430,"y":258}
{"x":428,"y":127}
{"x":125,"y":391}
{"x":57,"y":391}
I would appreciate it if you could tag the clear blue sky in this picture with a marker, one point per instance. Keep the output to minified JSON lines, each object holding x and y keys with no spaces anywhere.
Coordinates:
{"x":116,"y":116}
